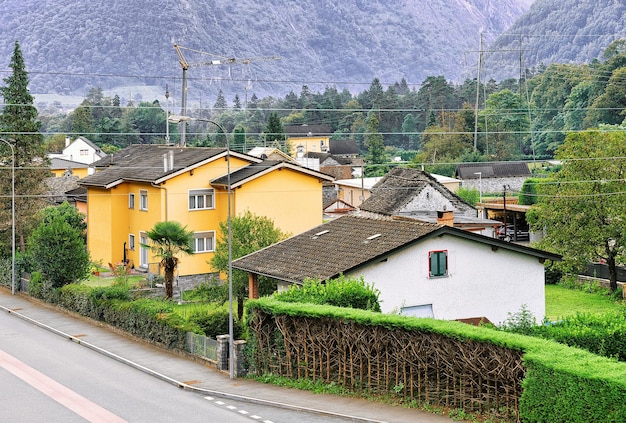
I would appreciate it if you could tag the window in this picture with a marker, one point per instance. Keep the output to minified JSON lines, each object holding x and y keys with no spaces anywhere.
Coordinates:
{"x":201,"y":199}
{"x":143,"y":251}
{"x":131,"y":201}
{"x":143,"y":200}
{"x":84,"y":152}
{"x":131,"y":242}
{"x":437,"y":263}
{"x":204,"y":242}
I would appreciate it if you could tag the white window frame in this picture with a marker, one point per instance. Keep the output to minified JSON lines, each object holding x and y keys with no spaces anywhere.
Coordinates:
{"x":131,"y":242}
{"x":204,"y":194}
{"x":438,"y":273}
{"x":204,"y":236}
{"x":131,"y":200}
{"x":143,"y":200}
{"x":143,"y":251}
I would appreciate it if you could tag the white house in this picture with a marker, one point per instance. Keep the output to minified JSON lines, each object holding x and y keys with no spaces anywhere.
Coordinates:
{"x":421,"y":269}
{"x":81,"y":150}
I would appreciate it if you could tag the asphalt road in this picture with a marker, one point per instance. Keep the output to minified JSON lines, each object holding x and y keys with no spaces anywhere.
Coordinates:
{"x":46,"y":378}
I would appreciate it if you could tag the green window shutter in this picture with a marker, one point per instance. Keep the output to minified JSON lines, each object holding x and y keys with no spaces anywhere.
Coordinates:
{"x":438,"y":263}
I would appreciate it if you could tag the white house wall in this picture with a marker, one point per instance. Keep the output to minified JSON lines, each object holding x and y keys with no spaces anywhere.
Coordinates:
{"x":73,"y":152}
{"x":431,"y":199}
{"x":480,"y":282}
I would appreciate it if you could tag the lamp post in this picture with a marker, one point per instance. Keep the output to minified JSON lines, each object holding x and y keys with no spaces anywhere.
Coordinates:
{"x":231,"y":348}
{"x":12,"y":214}
{"x":480,"y":185}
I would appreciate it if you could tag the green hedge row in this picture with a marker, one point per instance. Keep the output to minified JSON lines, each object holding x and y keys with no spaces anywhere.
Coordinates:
{"x":603,"y":334}
{"x":152,"y":320}
{"x":562,"y":384}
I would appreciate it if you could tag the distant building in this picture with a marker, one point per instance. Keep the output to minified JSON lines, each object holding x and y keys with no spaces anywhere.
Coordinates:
{"x":81,"y":150}
{"x":492,"y":176}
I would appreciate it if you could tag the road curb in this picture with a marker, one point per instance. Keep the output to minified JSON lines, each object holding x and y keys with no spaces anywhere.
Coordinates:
{"x":179,"y":384}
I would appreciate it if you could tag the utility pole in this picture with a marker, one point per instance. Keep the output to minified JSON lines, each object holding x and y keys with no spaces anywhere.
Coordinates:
{"x":167,"y":115}
{"x":215,"y":61}
{"x":480,"y":63}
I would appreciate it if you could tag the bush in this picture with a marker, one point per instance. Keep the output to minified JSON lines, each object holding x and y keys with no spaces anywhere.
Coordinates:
{"x":214,"y":322}
{"x":603,"y":334}
{"x":341,"y":292}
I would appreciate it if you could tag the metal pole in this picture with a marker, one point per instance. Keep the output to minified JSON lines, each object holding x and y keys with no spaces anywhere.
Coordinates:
{"x":231,"y":352}
{"x":167,"y":114}
{"x":12,"y":214}
{"x":231,"y":349}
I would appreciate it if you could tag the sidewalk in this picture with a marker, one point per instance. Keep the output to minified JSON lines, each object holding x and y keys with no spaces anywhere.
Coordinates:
{"x":192,"y":375}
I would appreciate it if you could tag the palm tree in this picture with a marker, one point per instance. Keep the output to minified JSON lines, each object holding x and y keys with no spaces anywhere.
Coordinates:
{"x":169,"y":239}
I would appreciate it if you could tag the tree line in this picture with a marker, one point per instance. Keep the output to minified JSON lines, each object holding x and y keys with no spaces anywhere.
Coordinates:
{"x":440,"y":122}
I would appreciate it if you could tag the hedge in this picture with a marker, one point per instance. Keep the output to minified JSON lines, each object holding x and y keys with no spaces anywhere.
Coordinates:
{"x":561,"y":383}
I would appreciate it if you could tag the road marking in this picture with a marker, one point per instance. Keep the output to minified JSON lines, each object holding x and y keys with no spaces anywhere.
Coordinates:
{"x":73,"y":401}
{"x":233,"y":408}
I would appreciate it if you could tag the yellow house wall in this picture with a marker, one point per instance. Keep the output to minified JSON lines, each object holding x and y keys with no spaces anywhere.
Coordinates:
{"x":291,"y":199}
{"x":80,"y":172}
{"x":310,"y":144}
{"x":101,"y":215}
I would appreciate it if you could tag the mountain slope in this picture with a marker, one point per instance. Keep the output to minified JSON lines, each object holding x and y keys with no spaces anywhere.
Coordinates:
{"x":564,"y":31}
{"x":71,"y":46}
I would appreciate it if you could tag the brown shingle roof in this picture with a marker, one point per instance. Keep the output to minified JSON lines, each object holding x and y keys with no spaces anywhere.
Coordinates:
{"x":349,"y":242}
{"x":333,"y":248}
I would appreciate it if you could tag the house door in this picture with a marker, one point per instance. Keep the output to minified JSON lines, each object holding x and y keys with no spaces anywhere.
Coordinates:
{"x":143,"y":251}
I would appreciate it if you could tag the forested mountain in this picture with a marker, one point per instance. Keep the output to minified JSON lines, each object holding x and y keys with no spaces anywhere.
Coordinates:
{"x":564,"y":31}
{"x":71,"y":46}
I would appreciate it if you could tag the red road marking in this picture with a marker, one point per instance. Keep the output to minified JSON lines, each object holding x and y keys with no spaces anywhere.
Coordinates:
{"x":61,"y":394}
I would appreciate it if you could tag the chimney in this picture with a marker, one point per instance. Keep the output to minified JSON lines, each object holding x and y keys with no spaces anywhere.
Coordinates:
{"x":67,"y":141}
{"x":445,"y":217}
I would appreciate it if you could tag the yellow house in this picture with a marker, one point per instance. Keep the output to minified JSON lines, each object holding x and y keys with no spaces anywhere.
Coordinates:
{"x":145,"y":184}
{"x":62,"y":167}
{"x":304,"y":139}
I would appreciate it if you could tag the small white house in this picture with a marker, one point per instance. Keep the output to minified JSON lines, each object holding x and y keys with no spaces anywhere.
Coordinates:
{"x":81,"y":150}
{"x":421,"y":269}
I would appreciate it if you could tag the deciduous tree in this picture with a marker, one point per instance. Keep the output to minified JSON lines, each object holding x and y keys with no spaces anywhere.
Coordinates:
{"x":249,"y":233}
{"x":58,"y":248}
{"x":583,"y":208}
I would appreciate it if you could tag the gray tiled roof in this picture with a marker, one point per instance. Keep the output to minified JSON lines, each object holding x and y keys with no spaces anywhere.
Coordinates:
{"x":399,"y":187}
{"x":491,"y":170}
{"x":344,"y":147}
{"x":344,"y":246}
{"x":144,"y":162}
{"x":251,"y":171}
{"x":295,"y":130}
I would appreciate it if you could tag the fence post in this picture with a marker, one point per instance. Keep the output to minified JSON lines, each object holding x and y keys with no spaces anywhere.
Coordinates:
{"x":240,"y":362}
{"x":222,"y":352}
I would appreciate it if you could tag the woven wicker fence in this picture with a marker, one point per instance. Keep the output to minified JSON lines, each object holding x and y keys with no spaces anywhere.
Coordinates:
{"x":415,"y":365}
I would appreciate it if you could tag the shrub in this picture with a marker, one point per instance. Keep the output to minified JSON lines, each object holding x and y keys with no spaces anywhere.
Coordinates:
{"x":214,"y":322}
{"x":341,"y":292}
{"x":522,"y":322}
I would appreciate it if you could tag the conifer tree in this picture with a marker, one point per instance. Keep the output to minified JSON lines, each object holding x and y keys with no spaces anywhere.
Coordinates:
{"x":21,"y":128}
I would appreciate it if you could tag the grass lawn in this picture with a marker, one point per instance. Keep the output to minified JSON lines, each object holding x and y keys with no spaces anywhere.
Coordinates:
{"x":96,"y":281}
{"x":562,"y":302}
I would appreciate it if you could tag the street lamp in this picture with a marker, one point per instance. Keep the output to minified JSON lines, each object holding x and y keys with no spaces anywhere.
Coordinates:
{"x":480,"y":184}
{"x":231,"y":348}
{"x":12,"y":214}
